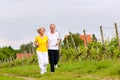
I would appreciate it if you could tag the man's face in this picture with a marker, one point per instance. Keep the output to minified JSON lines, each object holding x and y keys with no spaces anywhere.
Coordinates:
{"x":52,"y":27}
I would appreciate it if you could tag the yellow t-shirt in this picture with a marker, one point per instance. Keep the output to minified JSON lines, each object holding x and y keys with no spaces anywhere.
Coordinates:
{"x":42,"y":43}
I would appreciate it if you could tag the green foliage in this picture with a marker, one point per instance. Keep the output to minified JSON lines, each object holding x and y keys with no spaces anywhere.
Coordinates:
{"x":67,"y":54}
{"x":113,"y":43}
{"x":78,"y":41}
{"x":95,"y":50}
{"x":20,"y":62}
{"x":2,"y":56}
{"x":79,"y":70}
{"x":6,"y":52}
{"x":83,"y":50}
{"x":28,"y":48}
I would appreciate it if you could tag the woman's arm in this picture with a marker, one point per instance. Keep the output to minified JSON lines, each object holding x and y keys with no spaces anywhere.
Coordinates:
{"x":47,"y":43}
{"x":36,"y":44}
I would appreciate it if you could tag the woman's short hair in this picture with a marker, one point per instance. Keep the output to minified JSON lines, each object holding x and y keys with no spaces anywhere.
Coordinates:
{"x":38,"y":30}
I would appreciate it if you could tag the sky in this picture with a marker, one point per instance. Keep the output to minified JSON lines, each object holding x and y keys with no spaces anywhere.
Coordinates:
{"x":19,"y":19}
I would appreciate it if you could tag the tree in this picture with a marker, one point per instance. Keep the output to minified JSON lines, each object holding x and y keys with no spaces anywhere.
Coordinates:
{"x":7,"y":52}
{"x":2,"y":56}
{"x":28,"y":48}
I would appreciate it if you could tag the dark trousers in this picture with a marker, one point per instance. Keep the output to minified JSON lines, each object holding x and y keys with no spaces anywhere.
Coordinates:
{"x":53,"y":58}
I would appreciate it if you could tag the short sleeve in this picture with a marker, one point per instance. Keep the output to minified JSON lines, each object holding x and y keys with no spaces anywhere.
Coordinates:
{"x":36,"y":39}
{"x":58,"y":35}
{"x":47,"y":38}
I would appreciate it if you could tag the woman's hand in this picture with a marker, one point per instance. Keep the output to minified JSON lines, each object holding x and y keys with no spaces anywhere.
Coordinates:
{"x":36,"y":44}
{"x":47,"y":44}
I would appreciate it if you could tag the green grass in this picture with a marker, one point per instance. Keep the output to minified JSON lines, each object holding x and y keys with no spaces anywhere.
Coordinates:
{"x":3,"y":77}
{"x":76,"y":70}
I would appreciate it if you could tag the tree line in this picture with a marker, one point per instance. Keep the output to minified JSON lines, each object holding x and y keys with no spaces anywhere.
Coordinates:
{"x":8,"y":51}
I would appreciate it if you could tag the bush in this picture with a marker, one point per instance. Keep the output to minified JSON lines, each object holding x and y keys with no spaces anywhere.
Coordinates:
{"x":20,"y":62}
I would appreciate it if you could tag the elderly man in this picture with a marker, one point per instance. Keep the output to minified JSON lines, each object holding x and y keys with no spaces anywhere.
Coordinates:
{"x":53,"y":47}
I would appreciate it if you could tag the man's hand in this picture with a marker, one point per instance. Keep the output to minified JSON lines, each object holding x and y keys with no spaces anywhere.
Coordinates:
{"x":57,"y":44}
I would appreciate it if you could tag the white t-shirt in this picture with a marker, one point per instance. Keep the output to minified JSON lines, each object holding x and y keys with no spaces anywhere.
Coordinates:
{"x":52,"y":39}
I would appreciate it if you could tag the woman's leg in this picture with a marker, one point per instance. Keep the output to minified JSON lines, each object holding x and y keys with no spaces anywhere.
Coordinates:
{"x":45,"y":61}
{"x":41,"y":61}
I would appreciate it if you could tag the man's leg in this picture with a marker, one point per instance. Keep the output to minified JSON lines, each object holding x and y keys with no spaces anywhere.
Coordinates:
{"x":56,"y":57}
{"x":51,"y":60}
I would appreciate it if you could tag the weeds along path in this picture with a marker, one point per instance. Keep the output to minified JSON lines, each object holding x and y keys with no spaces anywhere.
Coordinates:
{"x":25,"y":78}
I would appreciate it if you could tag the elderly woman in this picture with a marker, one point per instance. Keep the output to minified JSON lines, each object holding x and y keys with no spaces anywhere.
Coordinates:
{"x":41,"y":42}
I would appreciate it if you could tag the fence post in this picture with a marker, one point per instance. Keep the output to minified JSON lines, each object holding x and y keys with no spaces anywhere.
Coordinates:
{"x":76,"y":50}
{"x":102,"y":36}
{"x":117,"y":34}
{"x":67,"y":43}
{"x":86,"y":41}
{"x":103,"y":42}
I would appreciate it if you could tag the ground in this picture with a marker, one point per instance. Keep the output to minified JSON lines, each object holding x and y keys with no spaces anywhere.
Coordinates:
{"x":72,"y":70}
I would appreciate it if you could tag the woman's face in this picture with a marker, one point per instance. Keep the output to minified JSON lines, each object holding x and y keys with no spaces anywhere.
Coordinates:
{"x":42,"y":31}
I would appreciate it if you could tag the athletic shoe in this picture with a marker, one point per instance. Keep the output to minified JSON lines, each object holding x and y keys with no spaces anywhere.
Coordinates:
{"x":56,"y":66}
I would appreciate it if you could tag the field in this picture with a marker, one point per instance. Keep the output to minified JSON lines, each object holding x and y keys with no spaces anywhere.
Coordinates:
{"x":71,"y":70}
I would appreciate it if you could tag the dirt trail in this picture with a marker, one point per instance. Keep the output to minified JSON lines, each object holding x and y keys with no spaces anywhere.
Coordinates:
{"x":25,"y":78}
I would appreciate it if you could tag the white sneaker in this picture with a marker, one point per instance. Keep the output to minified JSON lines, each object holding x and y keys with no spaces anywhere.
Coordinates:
{"x":45,"y":70}
{"x":42,"y":73}
{"x":56,"y":66}
{"x":52,"y":72}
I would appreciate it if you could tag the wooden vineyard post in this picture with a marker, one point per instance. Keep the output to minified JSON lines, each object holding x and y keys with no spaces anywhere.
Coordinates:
{"x":86,"y":41}
{"x":102,"y":36}
{"x":67,"y":43}
{"x":117,"y":35}
{"x":76,"y":51}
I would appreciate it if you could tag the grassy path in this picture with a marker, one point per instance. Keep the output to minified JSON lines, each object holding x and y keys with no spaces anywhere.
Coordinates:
{"x":6,"y":77}
{"x":21,"y":77}
{"x":83,"y":77}
{"x":80,"y":70}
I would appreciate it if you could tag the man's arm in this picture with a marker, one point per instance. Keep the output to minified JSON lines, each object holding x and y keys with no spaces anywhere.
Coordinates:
{"x":58,"y":40}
